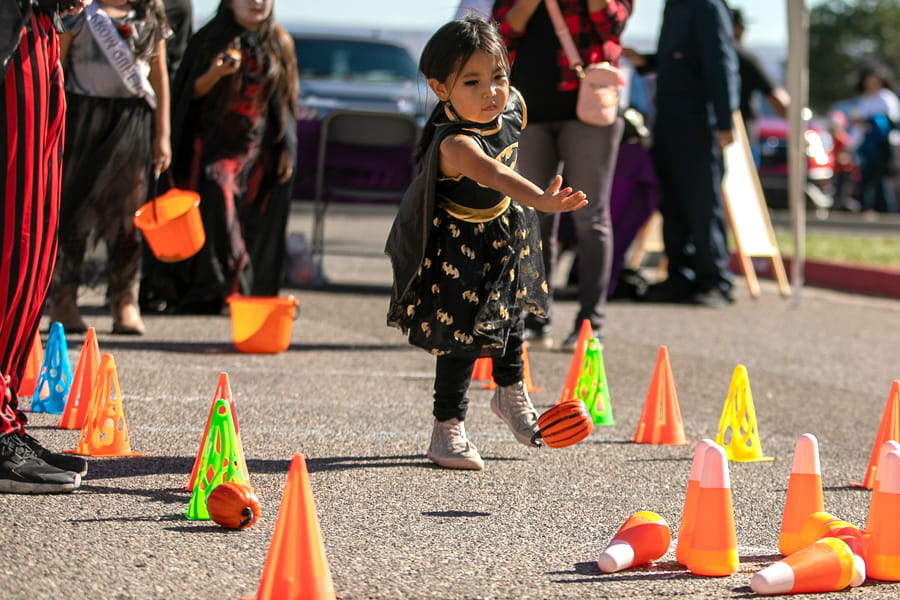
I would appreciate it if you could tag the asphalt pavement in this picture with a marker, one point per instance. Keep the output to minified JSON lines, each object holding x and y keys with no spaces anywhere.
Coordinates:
{"x":354,"y":398}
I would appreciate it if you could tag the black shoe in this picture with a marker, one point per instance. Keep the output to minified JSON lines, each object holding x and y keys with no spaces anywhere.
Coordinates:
{"x":669,"y":292}
{"x":713,"y":298}
{"x":539,"y":337}
{"x":63,"y":462}
{"x":538,"y":332}
{"x":23,"y":472}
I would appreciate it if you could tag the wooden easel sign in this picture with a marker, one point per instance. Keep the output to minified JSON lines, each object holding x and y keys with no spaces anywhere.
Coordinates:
{"x":747,"y":213}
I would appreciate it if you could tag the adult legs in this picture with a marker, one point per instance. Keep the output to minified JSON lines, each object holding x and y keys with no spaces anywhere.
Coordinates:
{"x":589,"y":154}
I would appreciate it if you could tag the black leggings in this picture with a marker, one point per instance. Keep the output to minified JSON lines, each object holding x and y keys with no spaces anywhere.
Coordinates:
{"x":452,"y":376}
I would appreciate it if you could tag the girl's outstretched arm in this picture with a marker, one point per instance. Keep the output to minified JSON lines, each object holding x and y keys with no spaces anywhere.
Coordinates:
{"x":460,"y":155}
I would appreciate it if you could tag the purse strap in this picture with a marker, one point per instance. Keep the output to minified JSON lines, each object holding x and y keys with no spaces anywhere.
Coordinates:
{"x":565,"y":37}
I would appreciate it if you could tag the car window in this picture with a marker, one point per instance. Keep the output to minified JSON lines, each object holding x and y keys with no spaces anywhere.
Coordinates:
{"x":353,"y":60}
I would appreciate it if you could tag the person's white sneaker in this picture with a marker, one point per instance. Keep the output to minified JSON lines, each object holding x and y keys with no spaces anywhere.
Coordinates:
{"x":451,"y":448}
{"x":512,"y":404}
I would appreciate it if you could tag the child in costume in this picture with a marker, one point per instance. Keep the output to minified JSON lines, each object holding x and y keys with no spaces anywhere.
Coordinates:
{"x":465,"y":246}
{"x":234,"y":143}
{"x":117,"y":135}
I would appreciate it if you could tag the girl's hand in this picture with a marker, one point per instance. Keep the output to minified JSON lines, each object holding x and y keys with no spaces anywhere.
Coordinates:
{"x":560,"y":200}
{"x":285,"y":167}
{"x":226,"y":63}
{"x":76,"y":7}
{"x":162,"y":154}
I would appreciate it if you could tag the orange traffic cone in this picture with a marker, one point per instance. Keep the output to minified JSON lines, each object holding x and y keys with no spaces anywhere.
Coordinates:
{"x":886,"y":447}
{"x":75,"y":411}
{"x":689,"y":509}
{"x":713,"y":549}
{"x":105,"y":432}
{"x":296,"y":567}
{"x":585,"y":333}
{"x":643,"y":538}
{"x":883,"y":552}
{"x":821,"y":525}
{"x":804,"y":493}
{"x":223,"y":392}
{"x":483,"y":369}
{"x":526,"y":371}
{"x":32,"y":367}
{"x":888,"y":429}
{"x":660,"y":421}
{"x":738,"y":431}
{"x":828,"y":565}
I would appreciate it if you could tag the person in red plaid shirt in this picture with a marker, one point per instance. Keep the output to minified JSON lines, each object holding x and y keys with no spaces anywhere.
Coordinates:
{"x":554,"y":135}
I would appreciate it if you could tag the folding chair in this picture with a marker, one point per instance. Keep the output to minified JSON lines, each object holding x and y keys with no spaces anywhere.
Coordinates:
{"x":359,"y":158}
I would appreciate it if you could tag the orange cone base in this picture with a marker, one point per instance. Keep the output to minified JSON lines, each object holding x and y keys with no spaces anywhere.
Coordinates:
{"x":713,"y":563}
{"x":95,"y":455}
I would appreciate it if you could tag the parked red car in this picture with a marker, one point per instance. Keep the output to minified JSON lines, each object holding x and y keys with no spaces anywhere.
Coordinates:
{"x":772,"y":133}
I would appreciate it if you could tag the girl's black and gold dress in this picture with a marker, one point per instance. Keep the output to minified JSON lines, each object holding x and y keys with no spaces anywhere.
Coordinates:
{"x":480,"y":262}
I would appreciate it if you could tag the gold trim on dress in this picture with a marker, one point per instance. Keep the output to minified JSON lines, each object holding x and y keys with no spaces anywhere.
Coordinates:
{"x":473,"y":215}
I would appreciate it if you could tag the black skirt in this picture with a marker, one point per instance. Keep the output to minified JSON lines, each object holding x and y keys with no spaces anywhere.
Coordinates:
{"x":474,"y":282}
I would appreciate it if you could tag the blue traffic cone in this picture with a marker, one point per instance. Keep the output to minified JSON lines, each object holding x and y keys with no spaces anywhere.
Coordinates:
{"x":55,"y":377}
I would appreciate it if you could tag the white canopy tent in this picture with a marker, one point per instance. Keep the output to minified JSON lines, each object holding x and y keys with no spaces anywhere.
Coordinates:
{"x":798,"y":88}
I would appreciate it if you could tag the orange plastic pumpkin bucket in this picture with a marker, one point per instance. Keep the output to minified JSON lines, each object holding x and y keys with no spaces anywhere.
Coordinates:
{"x":262,"y":324}
{"x":171,"y":224}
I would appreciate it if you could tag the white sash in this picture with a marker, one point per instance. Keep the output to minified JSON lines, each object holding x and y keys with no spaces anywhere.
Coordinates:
{"x":118,"y":53}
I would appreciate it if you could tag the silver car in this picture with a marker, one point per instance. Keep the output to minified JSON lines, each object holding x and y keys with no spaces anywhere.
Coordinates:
{"x":360,"y":73}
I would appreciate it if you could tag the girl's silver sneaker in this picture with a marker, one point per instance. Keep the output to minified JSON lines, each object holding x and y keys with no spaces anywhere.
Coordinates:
{"x":451,"y":448}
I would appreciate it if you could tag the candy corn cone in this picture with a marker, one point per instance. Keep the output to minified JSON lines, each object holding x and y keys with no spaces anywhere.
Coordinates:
{"x":883,"y":552}
{"x":643,"y":538}
{"x":804,"y":493}
{"x":886,"y":447}
{"x":714,"y":543}
{"x":821,"y":524}
{"x":828,"y":565}
{"x":688,"y":511}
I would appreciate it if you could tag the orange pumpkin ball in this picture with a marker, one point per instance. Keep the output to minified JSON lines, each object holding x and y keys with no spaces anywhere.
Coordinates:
{"x":233,"y":505}
{"x":565,"y":423}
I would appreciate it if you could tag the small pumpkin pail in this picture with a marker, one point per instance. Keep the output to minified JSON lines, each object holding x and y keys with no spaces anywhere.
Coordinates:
{"x":172,"y":226}
{"x":262,"y":324}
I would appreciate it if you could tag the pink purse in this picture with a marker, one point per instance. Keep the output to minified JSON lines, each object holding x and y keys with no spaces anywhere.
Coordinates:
{"x":598,"y":84}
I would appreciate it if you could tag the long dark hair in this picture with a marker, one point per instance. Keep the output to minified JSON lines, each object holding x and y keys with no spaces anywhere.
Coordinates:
{"x":446,"y":53}
{"x":281,"y":62}
{"x":153,"y":13}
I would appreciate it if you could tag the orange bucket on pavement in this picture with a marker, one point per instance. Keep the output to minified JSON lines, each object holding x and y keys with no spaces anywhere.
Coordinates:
{"x":172,"y":226}
{"x":262,"y":324}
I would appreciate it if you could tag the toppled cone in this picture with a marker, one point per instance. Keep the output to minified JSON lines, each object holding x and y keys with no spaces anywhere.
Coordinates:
{"x":643,"y":538}
{"x":825,"y":566}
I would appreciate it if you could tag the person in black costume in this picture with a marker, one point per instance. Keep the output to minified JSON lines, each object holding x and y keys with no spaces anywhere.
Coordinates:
{"x":234,"y":142}
{"x":697,"y":90}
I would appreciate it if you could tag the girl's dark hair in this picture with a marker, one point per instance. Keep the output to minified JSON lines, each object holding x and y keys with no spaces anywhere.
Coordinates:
{"x":154,"y":14}
{"x":878,"y":72}
{"x":280,"y":62}
{"x":446,"y":53}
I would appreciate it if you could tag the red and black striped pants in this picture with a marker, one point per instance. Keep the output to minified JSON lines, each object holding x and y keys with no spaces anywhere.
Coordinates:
{"x":32,"y":109}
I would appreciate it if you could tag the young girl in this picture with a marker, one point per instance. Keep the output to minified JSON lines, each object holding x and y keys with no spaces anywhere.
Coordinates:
{"x":234,"y":141}
{"x":117,"y":132}
{"x":465,"y":251}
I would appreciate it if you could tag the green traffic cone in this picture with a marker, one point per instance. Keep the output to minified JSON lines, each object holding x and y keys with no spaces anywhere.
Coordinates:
{"x":222,"y":459}
{"x":591,"y":387}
